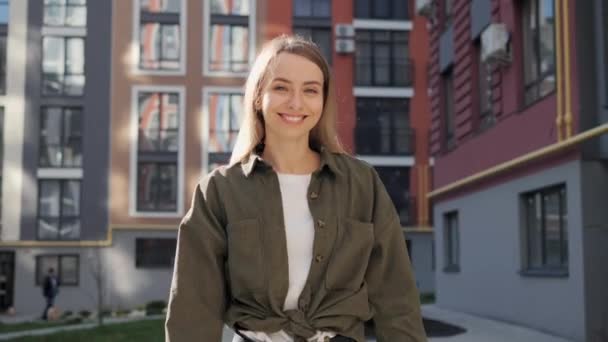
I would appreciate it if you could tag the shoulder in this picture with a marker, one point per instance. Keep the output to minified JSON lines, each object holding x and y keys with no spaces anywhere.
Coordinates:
{"x":354,"y":168}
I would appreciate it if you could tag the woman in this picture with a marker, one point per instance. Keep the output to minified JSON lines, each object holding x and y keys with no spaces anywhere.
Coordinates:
{"x":294,"y":240}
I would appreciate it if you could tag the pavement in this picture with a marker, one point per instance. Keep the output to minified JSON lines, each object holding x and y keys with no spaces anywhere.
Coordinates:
{"x":478,"y":329}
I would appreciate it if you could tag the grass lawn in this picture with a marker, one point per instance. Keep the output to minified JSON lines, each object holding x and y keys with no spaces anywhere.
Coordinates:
{"x":149,"y":331}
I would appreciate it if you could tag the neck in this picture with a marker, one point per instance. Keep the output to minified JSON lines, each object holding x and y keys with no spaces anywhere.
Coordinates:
{"x":291,"y":157}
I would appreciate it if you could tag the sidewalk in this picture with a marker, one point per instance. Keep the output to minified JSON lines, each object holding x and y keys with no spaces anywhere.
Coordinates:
{"x":484,"y":330}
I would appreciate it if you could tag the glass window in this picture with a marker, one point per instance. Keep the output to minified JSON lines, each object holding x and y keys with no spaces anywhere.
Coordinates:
{"x":225,"y":115}
{"x":382,"y":9}
{"x":63,"y":65}
{"x":320,"y":36}
{"x":160,"y":6}
{"x":155,"y":252}
{"x":71,"y":13}
{"x":1,"y":158}
{"x":451,"y":237}
{"x":229,"y":36}
{"x":539,"y":49}
{"x":312,"y":8}
{"x":382,"y":58}
{"x":396,"y":180}
{"x":58,"y":209}
{"x":60,"y":137}
{"x":158,"y":147}
{"x":448,"y":108}
{"x":2,"y":64}
{"x":160,"y":35}
{"x":66,"y":267}
{"x":4,"y":11}
{"x":383,"y":127}
{"x":546,"y":229}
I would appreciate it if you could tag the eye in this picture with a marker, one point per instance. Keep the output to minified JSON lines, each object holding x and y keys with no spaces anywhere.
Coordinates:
{"x":311,"y":91}
{"x":279,"y":88}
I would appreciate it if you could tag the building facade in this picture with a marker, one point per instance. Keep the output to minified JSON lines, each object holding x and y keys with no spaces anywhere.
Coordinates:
{"x":521,"y":171}
{"x":111,"y":129}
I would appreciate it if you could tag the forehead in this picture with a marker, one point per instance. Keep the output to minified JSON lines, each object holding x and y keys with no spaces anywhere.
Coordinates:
{"x":296,"y":68}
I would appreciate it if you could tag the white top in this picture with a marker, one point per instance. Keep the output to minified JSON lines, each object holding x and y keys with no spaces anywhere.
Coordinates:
{"x":300,"y":234}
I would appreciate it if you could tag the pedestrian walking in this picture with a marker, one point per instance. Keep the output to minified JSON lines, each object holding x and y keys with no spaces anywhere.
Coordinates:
{"x":50,"y":289}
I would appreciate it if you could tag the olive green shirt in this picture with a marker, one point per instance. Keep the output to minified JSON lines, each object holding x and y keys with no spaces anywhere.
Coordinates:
{"x":231,"y":263}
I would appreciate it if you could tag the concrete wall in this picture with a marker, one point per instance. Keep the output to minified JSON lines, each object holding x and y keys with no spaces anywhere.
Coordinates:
{"x":422,"y":260}
{"x":489,"y":283}
{"x":594,"y":179}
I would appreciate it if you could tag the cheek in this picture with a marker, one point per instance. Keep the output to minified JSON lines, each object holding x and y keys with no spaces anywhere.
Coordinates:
{"x":316,"y":105}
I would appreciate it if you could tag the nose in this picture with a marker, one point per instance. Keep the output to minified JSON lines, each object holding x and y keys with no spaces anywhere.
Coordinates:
{"x":295,"y":101}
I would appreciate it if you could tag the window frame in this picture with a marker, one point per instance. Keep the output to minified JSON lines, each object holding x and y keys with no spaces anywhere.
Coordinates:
{"x":311,"y":3}
{"x":535,"y":84}
{"x":393,"y":64}
{"x":3,"y":58}
{"x":60,"y":217}
{"x":135,"y":160}
{"x":394,"y":132}
{"x":545,"y":269}
{"x":65,"y":5}
{"x":139,"y":250}
{"x":451,"y":242}
{"x":62,"y":92}
{"x":409,"y":200}
{"x":38,"y":282}
{"x":207,"y":23}
{"x":138,"y":18}
{"x":372,"y":12}
{"x":207,"y":92}
{"x":61,"y":145}
{"x":448,"y":109}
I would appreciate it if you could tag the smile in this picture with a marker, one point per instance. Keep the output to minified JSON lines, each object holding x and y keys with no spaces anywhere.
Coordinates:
{"x":292,"y":118}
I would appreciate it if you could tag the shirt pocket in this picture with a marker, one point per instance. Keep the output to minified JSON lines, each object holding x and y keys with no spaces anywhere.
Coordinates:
{"x":350,"y":255}
{"x":245,"y":259}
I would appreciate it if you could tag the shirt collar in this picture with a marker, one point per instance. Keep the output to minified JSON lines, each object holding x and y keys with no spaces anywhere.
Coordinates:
{"x":328,"y":160}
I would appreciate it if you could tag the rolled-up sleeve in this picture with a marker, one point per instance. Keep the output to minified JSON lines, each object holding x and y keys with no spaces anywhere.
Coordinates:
{"x":197,"y":299}
{"x":391,"y":286}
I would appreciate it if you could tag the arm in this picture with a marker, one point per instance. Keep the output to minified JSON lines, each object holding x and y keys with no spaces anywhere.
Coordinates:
{"x":391,"y":286}
{"x":197,"y":299}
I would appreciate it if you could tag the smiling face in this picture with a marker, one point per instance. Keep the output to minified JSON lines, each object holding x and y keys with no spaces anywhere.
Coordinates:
{"x":292,"y":99}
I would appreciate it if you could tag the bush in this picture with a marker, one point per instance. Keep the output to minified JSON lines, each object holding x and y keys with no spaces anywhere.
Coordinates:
{"x":85,"y":313}
{"x":427,"y":298}
{"x":66,"y":314}
{"x":122,"y":312}
{"x":73,"y":320}
{"x":155,"y":307}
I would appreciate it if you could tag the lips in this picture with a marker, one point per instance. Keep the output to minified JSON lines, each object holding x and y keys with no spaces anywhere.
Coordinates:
{"x":292,"y":118}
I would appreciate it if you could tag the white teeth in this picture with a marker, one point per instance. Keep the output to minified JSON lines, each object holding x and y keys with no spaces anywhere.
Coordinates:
{"x":292,"y":118}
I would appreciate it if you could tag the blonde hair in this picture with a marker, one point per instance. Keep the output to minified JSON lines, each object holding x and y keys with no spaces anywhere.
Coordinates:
{"x":252,"y":130}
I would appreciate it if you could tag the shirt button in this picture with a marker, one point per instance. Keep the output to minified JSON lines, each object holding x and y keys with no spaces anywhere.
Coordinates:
{"x":321,"y":223}
{"x":319,"y":258}
{"x":314,"y":195}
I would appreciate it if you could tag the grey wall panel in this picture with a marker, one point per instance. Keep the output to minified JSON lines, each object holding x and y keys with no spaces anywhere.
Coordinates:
{"x":489,"y":283}
{"x":481,"y":16}
{"x":446,"y":49}
{"x":422,"y":260}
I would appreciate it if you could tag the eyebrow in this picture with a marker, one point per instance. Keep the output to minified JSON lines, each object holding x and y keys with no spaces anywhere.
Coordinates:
{"x":281,"y":79}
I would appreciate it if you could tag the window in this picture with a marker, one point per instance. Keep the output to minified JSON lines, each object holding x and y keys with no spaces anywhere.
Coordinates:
{"x":382,"y":58}
{"x":382,"y":9}
{"x":396,"y":180}
{"x":157,"y":151}
{"x":4,"y":12}
{"x":448,"y":108}
{"x":160,"y":35}
{"x":58,"y":209}
{"x":225,"y":114}
{"x":546,"y":230}
{"x":451,"y":238}
{"x":539,"y":49}
{"x":63,"y":65}
{"x":320,"y":36}
{"x":155,"y":253}
{"x":71,"y":13}
{"x":383,"y":127}
{"x":1,"y":160}
{"x":484,"y":91}
{"x":229,"y":36}
{"x":448,"y":12}
{"x":61,"y":137}
{"x":4,"y":16}
{"x":66,"y":267}
{"x":312,"y":8}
